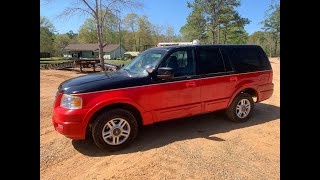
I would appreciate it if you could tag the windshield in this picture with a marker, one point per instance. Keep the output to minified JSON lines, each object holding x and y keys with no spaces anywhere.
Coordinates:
{"x":148,"y":57}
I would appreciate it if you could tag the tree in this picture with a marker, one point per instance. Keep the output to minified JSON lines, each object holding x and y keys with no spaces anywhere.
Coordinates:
{"x":232,"y":23}
{"x":44,"y":22}
{"x":131,"y":24}
{"x":61,"y":41}
{"x":144,"y":33}
{"x":100,"y":10}
{"x":169,"y":33}
{"x":46,"y":35}
{"x":130,"y":21}
{"x":215,"y":13}
{"x":237,"y":35}
{"x":195,"y":27}
{"x":157,"y":33}
{"x":272,"y":25}
{"x":87,"y":31}
{"x":263,"y":39}
{"x":71,"y":34}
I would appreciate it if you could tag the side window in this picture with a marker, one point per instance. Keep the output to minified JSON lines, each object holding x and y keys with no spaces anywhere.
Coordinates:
{"x":226,"y":59}
{"x":248,"y":59}
{"x":182,"y":63}
{"x":210,"y":60}
{"x":265,"y":63}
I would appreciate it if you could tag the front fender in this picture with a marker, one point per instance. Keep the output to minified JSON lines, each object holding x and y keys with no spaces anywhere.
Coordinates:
{"x":105,"y":103}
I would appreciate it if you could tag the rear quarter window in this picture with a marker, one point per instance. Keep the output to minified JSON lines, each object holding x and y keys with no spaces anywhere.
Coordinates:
{"x":249,"y":59}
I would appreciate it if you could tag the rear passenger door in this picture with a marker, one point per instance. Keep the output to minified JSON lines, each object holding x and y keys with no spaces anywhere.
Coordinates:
{"x":214,"y":71}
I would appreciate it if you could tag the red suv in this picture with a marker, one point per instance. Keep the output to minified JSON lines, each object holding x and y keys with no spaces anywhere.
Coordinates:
{"x":162,"y":84}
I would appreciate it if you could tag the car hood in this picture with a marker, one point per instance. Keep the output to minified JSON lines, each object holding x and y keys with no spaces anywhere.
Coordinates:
{"x":102,"y":81}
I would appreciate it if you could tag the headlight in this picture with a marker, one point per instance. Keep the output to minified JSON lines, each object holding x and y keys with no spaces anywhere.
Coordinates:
{"x":71,"y":102}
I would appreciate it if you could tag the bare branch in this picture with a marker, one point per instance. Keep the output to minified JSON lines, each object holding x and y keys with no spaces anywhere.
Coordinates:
{"x":111,"y":3}
{"x":73,"y":11}
{"x":84,"y":10}
{"x":90,"y":7}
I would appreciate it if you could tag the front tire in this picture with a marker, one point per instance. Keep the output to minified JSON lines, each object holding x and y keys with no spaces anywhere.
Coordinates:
{"x":240,"y":110}
{"x":115,"y":129}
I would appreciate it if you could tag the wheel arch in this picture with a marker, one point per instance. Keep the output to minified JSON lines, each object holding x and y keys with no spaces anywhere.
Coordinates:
{"x":245,"y":89}
{"x":104,"y":106}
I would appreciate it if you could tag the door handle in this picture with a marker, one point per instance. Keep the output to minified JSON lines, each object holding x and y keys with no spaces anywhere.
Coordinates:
{"x":191,"y":84}
{"x":233,"y":79}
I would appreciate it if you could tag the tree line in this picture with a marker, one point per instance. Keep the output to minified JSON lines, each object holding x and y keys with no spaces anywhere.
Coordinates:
{"x":211,"y":21}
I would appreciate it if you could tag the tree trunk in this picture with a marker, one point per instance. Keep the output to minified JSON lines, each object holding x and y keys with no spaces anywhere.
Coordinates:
{"x":120,"y":40}
{"x":99,"y":34}
{"x":100,"y":46}
{"x":139,"y":43}
{"x":270,"y":51}
{"x":275,"y":46}
{"x":219,"y":34}
{"x":212,"y":40}
{"x":225,"y":36}
{"x":134,"y":39}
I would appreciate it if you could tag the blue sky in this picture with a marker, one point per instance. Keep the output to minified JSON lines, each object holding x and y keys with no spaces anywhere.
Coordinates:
{"x":160,"y":12}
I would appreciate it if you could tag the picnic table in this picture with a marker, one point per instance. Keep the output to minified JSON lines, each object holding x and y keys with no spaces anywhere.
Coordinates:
{"x":86,"y":63}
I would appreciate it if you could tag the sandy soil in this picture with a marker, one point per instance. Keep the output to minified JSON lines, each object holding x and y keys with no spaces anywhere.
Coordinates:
{"x":201,"y":147}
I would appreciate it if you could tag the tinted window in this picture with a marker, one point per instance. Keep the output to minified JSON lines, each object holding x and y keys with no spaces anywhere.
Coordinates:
{"x":182,"y":63}
{"x":226,"y":59}
{"x":265,"y":63}
{"x":248,"y":59}
{"x":210,"y":60}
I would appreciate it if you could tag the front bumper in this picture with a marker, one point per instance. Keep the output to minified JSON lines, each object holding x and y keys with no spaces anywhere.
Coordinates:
{"x":69,"y":122}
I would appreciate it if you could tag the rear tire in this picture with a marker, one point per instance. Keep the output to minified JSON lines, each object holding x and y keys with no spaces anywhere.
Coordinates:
{"x":240,"y":110}
{"x":114,"y":129}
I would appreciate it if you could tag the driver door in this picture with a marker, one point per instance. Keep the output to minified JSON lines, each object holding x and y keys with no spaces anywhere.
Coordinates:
{"x":180,"y":96}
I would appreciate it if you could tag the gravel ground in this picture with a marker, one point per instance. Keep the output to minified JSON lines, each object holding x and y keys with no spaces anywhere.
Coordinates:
{"x":201,"y":147}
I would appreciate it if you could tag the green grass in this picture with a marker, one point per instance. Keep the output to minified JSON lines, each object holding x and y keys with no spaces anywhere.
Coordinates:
{"x":56,"y":59}
{"x":119,"y":62}
{"x":53,"y":60}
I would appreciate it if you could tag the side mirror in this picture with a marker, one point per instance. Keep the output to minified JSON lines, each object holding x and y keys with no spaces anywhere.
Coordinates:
{"x":165,"y":73}
{"x":149,"y":68}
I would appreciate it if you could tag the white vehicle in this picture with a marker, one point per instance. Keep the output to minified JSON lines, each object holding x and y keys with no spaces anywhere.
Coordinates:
{"x":194,"y":42}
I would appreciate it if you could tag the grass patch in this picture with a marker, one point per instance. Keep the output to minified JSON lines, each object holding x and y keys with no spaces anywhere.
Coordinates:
{"x":54,"y":60}
{"x":118,"y":62}
{"x":57,"y":59}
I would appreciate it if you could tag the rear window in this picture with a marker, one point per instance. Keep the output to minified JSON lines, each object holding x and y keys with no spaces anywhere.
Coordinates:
{"x":248,"y":59}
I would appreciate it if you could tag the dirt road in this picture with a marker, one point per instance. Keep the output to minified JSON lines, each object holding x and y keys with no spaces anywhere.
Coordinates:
{"x":201,"y":147}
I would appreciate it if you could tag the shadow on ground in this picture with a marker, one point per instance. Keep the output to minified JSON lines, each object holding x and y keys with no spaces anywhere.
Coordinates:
{"x":202,"y":126}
